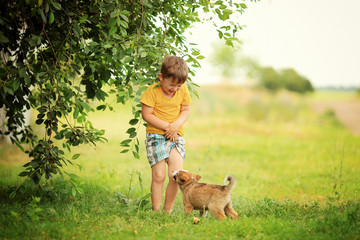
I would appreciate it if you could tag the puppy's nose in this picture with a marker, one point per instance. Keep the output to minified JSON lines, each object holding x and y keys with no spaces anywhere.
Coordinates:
{"x":174,"y":173}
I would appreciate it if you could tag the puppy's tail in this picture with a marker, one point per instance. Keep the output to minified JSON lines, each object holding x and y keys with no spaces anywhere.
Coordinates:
{"x":232,"y":181}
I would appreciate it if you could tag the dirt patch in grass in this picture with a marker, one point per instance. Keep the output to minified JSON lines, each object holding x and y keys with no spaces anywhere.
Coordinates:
{"x":348,"y":112}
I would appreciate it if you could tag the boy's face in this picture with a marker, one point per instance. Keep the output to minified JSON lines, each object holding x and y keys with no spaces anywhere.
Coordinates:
{"x":169,"y":86}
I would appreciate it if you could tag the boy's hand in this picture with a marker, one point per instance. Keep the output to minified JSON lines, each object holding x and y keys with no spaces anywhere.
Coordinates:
{"x":173,"y":138}
{"x":167,"y":127}
{"x":171,"y":132}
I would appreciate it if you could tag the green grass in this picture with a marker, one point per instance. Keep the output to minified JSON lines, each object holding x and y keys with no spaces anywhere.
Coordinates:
{"x":331,"y":95}
{"x":297,"y":176}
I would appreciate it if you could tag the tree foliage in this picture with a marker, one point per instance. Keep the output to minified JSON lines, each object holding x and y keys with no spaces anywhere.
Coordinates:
{"x":269,"y":78}
{"x":60,"y":57}
{"x":287,"y":78}
{"x":224,"y":57}
{"x":293,"y":81}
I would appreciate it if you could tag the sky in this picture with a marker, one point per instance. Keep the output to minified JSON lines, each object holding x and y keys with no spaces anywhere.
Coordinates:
{"x":320,"y":39}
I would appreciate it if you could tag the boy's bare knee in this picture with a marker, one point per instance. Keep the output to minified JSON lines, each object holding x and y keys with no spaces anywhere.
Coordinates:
{"x":159,"y":177}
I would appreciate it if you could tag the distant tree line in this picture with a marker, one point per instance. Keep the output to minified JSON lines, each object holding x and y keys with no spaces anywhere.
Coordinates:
{"x":287,"y":78}
{"x":340,"y":88}
{"x":228,"y":60}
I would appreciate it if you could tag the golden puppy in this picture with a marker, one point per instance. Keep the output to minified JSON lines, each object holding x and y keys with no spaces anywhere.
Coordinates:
{"x":201,"y":196}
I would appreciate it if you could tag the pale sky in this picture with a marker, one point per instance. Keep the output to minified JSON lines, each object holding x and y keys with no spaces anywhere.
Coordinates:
{"x":320,"y":39}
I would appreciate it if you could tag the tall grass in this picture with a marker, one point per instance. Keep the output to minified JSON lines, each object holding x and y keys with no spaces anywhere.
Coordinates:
{"x":297,"y":174}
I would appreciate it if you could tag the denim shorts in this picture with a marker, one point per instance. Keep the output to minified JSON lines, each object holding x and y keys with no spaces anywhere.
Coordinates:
{"x":158,"y":147}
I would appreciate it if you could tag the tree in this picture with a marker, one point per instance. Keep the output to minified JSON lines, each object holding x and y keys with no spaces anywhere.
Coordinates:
{"x":270,"y":79}
{"x":59,"y":56}
{"x":274,"y":80}
{"x":293,"y":81}
{"x":286,"y":78}
{"x":224,"y":58}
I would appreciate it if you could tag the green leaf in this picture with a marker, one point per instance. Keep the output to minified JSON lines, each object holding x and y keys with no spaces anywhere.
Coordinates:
{"x":24,"y":174}
{"x":114,"y":14}
{"x":80,"y":190}
{"x":124,"y":17}
{"x":39,"y":121}
{"x":136,"y":155}
{"x":123,"y":32}
{"x":27,"y":81}
{"x":125,"y":142}
{"x":77,"y":30}
{"x":76,"y":156}
{"x":105,"y":75}
{"x":128,"y":59}
{"x":51,"y":18}
{"x":43,"y":16}
{"x":227,"y":11}
{"x":34,"y":164}
{"x":124,"y":24}
{"x":131,"y":130}
{"x":18,"y":144}
{"x":12,"y":195}
{"x":134,"y":121}
{"x":101,"y":107}
{"x":76,"y":113}
{"x":124,"y":13}
{"x":9,"y":90}
{"x":81,"y":119}
{"x":56,"y":5}
{"x":229,"y":42}
{"x":137,"y":148}
{"x":73,"y":192}
{"x":37,"y":210}
{"x":72,"y":175}
{"x":22,"y":72}
{"x":113,"y":31}
{"x":42,"y":109}
{"x":132,"y":135}
{"x":16,"y":84}
{"x":220,"y":34}
{"x":195,"y":53}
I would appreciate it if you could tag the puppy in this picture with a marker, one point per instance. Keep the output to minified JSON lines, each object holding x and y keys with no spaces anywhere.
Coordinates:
{"x":201,"y":196}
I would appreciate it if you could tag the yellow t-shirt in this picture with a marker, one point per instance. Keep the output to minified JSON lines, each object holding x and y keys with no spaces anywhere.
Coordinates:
{"x":165,"y":108}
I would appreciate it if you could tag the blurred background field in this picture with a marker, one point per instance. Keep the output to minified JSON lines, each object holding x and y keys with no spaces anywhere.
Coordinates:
{"x":278,"y":145}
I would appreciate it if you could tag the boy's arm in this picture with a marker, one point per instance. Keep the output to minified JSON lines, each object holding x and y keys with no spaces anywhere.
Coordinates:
{"x":173,"y":128}
{"x":149,"y":116}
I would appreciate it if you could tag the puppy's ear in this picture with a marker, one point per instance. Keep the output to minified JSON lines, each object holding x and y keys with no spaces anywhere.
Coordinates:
{"x":184,"y":178}
{"x":197,"y":177}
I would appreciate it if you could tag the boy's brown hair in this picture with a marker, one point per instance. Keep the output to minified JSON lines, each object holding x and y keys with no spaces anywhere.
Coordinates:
{"x":174,"y":67}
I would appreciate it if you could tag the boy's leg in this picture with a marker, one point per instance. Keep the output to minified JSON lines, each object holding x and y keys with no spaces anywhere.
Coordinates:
{"x":175,"y":163}
{"x":157,"y":183}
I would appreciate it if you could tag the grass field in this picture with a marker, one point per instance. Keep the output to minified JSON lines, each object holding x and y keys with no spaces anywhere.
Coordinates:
{"x":297,"y":176}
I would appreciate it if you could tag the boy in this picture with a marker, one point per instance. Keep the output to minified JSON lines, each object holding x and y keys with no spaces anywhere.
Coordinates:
{"x":165,"y":108}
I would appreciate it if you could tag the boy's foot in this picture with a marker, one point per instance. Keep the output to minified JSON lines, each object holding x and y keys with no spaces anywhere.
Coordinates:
{"x":168,"y":211}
